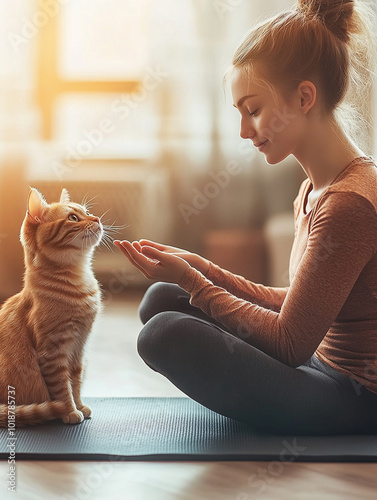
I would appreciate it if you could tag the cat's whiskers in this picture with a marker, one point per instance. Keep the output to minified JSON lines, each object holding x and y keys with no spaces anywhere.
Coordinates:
{"x":106,"y":242}
{"x":85,"y":242}
{"x":84,"y":200}
{"x":78,"y":234}
{"x":112,"y":228}
{"x":104,"y":213}
{"x":107,"y":238}
{"x":88,"y":203}
{"x":88,"y":231}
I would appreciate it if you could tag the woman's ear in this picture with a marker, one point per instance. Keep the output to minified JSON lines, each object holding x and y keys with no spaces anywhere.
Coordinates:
{"x":36,"y":205}
{"x":307,"y":93}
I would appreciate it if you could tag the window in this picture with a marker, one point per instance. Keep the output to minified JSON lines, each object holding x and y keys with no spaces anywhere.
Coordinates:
{"x":91,"y":53}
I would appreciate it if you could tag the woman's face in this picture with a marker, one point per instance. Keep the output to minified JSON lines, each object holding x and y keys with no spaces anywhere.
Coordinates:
{"x":272,"y":124}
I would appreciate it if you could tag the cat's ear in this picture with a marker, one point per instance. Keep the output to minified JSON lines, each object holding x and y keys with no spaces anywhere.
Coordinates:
{"x":35,"y":206}
{"x":64,"y":197}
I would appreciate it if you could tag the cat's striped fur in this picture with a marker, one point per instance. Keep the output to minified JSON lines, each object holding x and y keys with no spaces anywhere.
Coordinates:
{"x":44,"y":328}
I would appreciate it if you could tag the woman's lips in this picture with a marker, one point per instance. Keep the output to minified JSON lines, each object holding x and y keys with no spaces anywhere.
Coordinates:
{"x":260,"y":145}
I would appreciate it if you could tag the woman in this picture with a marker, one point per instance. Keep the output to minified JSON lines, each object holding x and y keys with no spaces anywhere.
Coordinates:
{"x":301,"y":359}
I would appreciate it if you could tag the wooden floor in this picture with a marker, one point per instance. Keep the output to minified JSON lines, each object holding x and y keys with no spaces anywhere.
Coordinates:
{"x":115,"y":369}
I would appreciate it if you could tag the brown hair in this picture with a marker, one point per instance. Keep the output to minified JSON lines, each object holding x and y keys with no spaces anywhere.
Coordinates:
{"x":328,"y":42}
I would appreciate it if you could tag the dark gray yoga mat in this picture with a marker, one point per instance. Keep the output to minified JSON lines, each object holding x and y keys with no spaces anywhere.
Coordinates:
{"x":174,"y":429}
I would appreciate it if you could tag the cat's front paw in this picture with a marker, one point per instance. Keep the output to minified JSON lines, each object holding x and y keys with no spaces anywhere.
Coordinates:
{"x":75,"y":417}
{"x":86,"y":411}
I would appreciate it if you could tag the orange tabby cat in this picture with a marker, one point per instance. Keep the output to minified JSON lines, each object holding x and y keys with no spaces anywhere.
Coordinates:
{"x":43,"y":329}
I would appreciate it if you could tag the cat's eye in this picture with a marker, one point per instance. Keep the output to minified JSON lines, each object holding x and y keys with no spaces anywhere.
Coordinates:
{"x":87,"y":212}
{"x":73,"y":217}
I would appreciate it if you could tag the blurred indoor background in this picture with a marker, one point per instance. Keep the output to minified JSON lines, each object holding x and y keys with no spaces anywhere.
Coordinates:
{"x":122,"y":101}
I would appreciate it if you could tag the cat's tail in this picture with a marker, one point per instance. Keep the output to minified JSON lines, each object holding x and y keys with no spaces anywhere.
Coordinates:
{"x":33,"y":414}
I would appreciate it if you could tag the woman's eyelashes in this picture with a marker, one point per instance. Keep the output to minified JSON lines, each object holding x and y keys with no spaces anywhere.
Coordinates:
{"x":254,"y":113}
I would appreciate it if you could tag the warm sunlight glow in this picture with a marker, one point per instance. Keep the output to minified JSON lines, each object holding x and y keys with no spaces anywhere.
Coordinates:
{"x":101,"y":40}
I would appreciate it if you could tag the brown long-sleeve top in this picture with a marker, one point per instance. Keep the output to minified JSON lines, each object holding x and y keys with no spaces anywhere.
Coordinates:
{"x":330,"y":306}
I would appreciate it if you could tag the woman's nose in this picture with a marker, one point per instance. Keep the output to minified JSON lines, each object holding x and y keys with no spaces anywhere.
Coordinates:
{"x":247,"y":131}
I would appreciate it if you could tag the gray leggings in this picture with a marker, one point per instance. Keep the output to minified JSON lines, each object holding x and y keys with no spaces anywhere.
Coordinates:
{"x":233,"y":378}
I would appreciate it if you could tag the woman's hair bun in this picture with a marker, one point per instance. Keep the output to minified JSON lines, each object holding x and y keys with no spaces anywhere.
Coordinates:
{"x":336,"y":15}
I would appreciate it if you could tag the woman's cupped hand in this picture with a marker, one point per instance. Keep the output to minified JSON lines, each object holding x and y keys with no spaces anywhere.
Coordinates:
{"x":155,"y":261}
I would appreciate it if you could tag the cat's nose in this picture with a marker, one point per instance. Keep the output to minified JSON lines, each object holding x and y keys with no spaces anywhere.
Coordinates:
{"x":95,"y":219}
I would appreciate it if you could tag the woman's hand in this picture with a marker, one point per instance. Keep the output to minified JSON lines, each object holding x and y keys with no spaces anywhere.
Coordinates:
{"x":154,"y":263}
{"x":196,"y":261}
